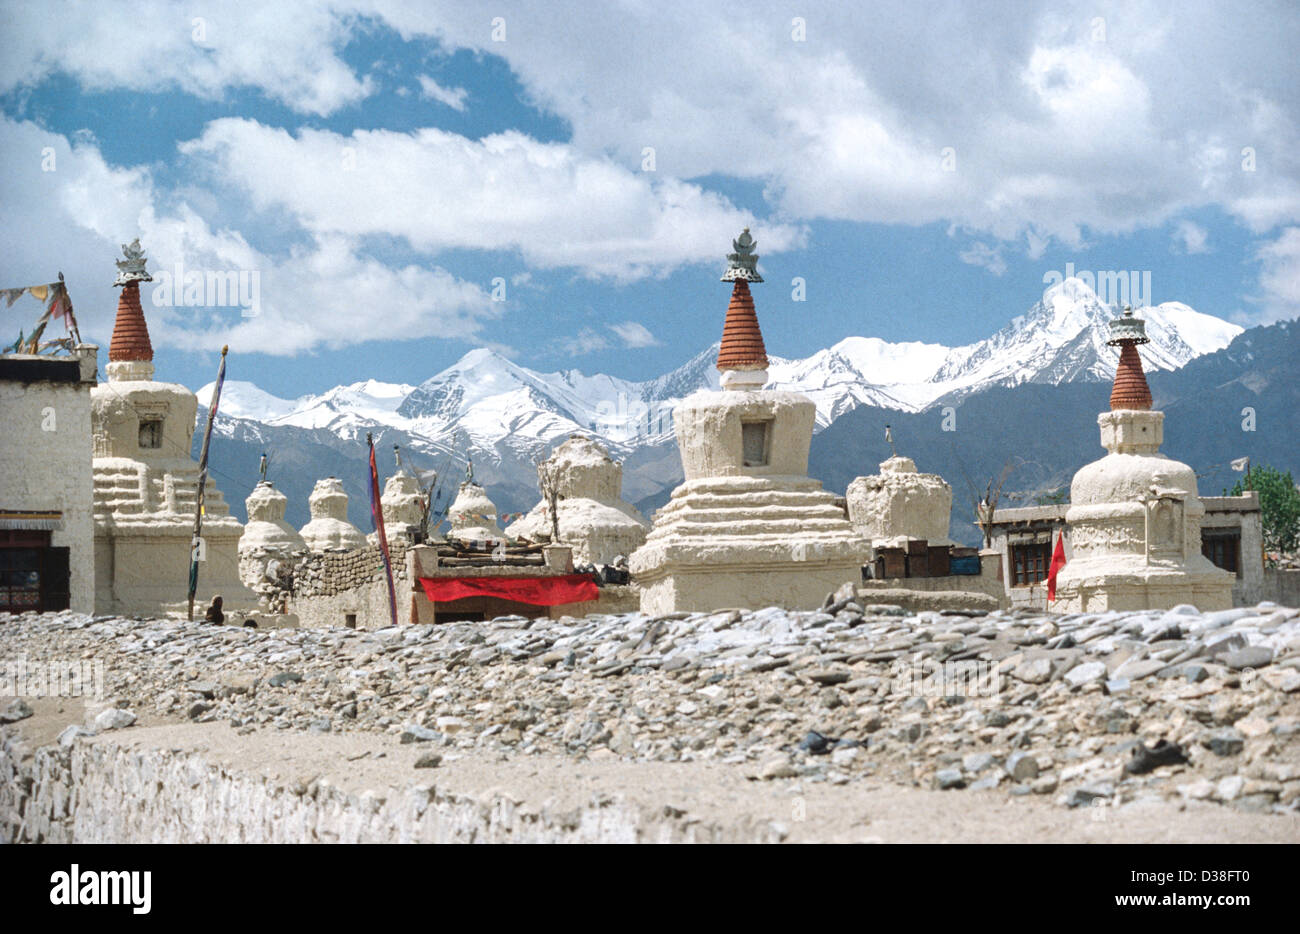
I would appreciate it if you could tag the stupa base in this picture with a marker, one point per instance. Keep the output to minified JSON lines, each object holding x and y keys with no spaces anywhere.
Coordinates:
{"x":1143,"y":588}
{"x":752,"y":585}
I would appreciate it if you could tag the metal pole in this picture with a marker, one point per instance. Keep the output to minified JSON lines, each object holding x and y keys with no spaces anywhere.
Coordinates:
{"x":203,"y":481}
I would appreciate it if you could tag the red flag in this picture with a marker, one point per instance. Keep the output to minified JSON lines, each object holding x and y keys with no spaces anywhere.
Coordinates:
{"x":377,"y":518}
{"x":1058,"y":562}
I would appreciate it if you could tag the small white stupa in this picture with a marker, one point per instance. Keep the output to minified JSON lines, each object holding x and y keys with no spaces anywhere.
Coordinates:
{"x":1134,"y":516}
{"x":266,"y":529}
{"x":594,"y":520}
{"x":269,"y":544}
{"x":473,"y":517}
{"x":900,"y":503}
{"x":747,"y":527}
{"x":403,"y":505}
{"x":329,"y":529}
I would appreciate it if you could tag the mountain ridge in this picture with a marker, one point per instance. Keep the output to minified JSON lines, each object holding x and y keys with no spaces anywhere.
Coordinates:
{"x":502,"y":415}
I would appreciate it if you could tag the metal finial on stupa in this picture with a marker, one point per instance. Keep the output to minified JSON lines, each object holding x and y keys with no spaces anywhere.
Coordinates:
{"x":1127,"y":328}
{"x":742,"y":264}
{"x":132,"y":268}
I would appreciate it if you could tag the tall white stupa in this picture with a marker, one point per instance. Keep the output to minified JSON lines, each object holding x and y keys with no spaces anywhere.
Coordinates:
{"x":146,"y":484}
{"x":748,"y":527}
{"x":1134,"y":516}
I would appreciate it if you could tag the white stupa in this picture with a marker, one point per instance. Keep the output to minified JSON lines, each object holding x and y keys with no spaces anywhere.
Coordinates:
{"x":594,"y":519}
{"x":900,"y":503}
{"x":147,"y":485}
{"x":747,"y":527}
{"x":268,"y":541}
{"x":266,"y":529}
{"x":403,"y":506}
{"x":473,"y":516}
{"x":329,"y":529}
{"x":1134,"y":516}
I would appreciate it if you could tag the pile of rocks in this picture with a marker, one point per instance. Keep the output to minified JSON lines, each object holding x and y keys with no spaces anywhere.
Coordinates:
{"x":1030,"y":704}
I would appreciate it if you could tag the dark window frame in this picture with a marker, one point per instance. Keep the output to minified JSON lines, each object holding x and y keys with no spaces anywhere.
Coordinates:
{"x":157,"y":424}
{"x":1030,"y":563}
{"x":1222,"y":548}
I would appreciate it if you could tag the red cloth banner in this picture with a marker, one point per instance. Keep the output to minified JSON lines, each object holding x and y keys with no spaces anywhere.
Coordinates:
{"x":1058,"y":562}
{"x":538,"y":591}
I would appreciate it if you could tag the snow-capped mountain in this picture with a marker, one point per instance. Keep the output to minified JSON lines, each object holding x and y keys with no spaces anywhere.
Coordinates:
{"x":502,"y":414}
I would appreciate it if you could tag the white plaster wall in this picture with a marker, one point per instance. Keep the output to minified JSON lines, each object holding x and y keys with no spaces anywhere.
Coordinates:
{"x":52,"y":469}
{"x":708,"y":426}
{"x":369,"y":601}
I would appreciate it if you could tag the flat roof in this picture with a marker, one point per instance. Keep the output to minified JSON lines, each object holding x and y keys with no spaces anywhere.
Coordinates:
{"x":37,"y":368}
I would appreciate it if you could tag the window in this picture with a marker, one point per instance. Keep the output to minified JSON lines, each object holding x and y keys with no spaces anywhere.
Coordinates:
{"x":151,"y":432}
{"x":1030,"y":563}
{"x":754,"y":438}
{"x":1223,"y":548}
{"x":350,"y":620}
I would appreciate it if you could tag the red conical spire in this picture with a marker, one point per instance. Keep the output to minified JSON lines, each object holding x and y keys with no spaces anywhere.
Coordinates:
{"x":1130,"y":390}
{"x":742,"y":341}
{"x":130,"y":333}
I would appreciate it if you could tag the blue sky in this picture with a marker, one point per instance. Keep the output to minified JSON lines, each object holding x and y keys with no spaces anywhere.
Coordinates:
{"x":380,"y":167}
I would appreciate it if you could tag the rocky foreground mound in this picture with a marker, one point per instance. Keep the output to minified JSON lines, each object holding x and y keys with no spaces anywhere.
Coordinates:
{"x":1090,"y":709}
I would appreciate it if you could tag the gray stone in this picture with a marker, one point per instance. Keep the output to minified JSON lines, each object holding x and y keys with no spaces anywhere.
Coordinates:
{"x":17,"y":710}
{"x":72,"y":734}
{"x":1253,"y":656}
{"x":280,"y":679}
{"x":1035,"y":671}
{"x":1227,"y":741}
{"x":114,"y":719}
{"x":1086,"y":673}
{"x":830,"y":675}
{"x":430,"y":760}
{"x":949,"y":778}
{"x":414,"y":733}
{"x":977,"y":762}
{"x":779,"y":767}
{"x":1022,"y":766}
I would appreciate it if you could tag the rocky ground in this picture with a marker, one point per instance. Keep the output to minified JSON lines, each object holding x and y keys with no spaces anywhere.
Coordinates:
{"x":1050,"y":707}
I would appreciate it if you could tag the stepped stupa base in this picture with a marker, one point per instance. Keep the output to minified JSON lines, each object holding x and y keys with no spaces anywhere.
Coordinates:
{"x":1106,"y":587}
{"x":747,"y":543}
{"x":752,"y":582}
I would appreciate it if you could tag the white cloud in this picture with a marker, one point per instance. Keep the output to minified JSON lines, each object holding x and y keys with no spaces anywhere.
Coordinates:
{"x":1050,"y":128}
{"x":981,"y":254}
{"x":1055,"y":136}
{"x":1053,"y":132}
{"x":1190,"y":237}
{"x":1279,"y":278}
{"x":634,"y":334}
{"x":554,"y":205}
{"x":289,"y":51}
{"x":452,"y":97}
{"x":76,"y":217}
{"x":585,"y":341}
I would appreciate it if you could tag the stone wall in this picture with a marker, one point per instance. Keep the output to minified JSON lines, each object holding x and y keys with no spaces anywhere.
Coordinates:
{"x":102,"y":793}
{"x":1282,"y":586}
{"x":330,"y":586}
{"x":45,"y":458}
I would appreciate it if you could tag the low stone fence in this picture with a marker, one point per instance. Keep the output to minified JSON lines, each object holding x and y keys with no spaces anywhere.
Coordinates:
{"x":103,"y":793}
